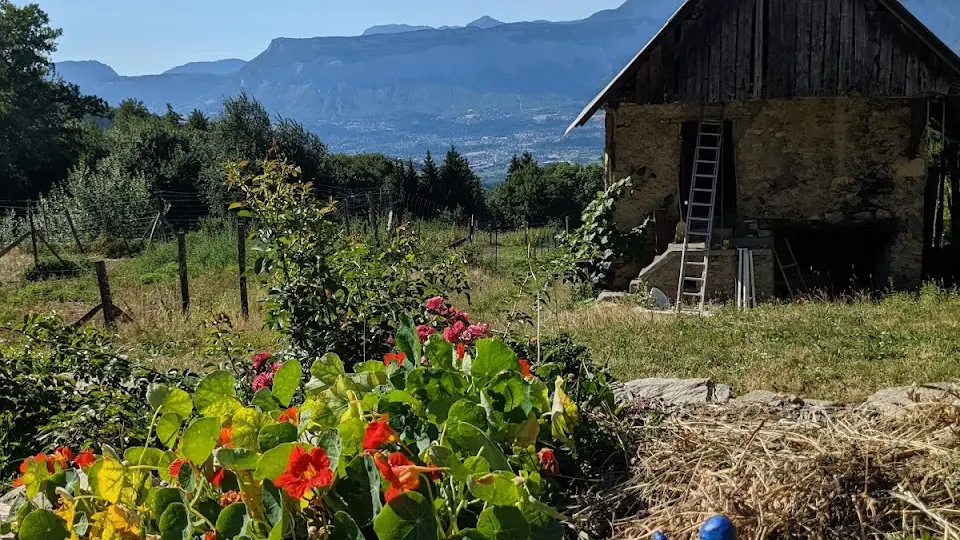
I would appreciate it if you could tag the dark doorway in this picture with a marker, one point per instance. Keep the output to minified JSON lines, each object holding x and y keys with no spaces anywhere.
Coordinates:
{"x":836,"y":261}
{"x":725,"y":205}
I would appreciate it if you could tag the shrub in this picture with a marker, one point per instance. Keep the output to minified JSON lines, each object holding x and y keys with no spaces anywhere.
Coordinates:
{"x":434,"y":442}
{"x":327,"y":292}
{"x":53,"y":268}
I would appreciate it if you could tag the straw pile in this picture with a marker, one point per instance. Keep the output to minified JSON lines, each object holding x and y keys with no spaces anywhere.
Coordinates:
{"x":854,"y":474}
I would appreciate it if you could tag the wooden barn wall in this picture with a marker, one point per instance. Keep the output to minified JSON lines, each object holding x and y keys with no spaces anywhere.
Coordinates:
{"x":796,"y":48}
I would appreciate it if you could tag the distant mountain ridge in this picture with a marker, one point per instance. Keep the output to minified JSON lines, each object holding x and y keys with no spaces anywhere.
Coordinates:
{"x":227,"y":66}
{"x":492,"y":88}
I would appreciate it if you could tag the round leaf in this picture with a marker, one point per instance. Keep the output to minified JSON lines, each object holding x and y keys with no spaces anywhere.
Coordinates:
{"x":43,"y":525}
{"x":407,"y":517}
{"x":247,"y":424}
{"x":277,"y":434}
{"x":273,"y":462}
{"x":216,"y":394}
{"x":494,"y":488}
{"x":160,"y":498}
{"x":503,"y":523}
{"x":493,"y":356}
{"x":286,"y":382}
{"x":108,"y":479}
{"x":238,"y":459}
{"x":232,"y":521}
{"x":168,"y":427}
{"x":199,"y":439}
{"x":175,"y":523}
{"x":169,"y":400}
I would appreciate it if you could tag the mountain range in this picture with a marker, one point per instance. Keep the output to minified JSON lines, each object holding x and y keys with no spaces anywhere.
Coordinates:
{"x":491,"y":88}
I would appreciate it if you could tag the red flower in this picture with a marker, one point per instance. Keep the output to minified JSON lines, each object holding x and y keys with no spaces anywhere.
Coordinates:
{"x":85,"y":459}
{"x":260,"y":358}
{"x":394,"y":357}
{"x":548,"y":461}
{"x":226,"y":437}
{"x":230,"y":497}
{"x":461,"y":350}
{"x":435,"y":303}
{"x":525,"y":368}
{"x":401,"y":473}
{"x":174,"y":469}
{"x":276,"y":367}
{"x":17,"y":483}
{"x":62,"y":456}
{"x":210,"y":535}
{"x":263,"y":380}
{"x":305,"y":472}
{"x":290,"y":415}
{"x":378,"y":434}
{"x":218,"y":476}
{"x":424,"y":331}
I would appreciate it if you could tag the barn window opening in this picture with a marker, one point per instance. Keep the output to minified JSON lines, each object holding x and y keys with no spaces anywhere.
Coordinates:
{"x":725,"y":204}
{"x":833,"y":261}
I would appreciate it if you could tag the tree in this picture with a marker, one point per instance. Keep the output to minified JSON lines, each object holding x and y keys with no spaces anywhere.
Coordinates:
{"x":536,"y":194}
{"x":198,"y":121}
{"x":459,"y":186}
{"x":173,"y":117}
{"x":41,"y":117}
{"x":429,"y":177}
{"x":302,"y":148}
{"x":243,"y":130}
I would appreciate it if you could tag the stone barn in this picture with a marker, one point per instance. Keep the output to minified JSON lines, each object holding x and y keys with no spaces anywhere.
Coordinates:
{"x":821,"y":135}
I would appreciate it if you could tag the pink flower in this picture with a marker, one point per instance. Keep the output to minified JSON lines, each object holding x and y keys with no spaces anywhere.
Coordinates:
{"x":263,"y":380}
{"x":391,"y":342}
{"x":478,"y":331}
{"x":276,"y":367}
{"x":452,"y":333}
{"x":424,"y":331}
{"x":435,"y":303}
{"x":260,"y":358}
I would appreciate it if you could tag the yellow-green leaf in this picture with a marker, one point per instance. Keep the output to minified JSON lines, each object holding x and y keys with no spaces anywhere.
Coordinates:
{"x":199,"y":439}
{"x":247,"y":424}
{"x":110,"y":480}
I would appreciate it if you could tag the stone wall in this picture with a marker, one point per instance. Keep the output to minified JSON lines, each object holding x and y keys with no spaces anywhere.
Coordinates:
{"x":664,"y":273}
{"x":806,"y":163}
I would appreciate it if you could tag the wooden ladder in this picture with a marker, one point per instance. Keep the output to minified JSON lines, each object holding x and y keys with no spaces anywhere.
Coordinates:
{"x":788,"y":265}
{"x":698,"y":232}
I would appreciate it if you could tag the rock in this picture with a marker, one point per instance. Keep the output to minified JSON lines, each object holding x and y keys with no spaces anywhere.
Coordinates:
{"x":610,"y":296}
{"x":660,"y":299}
{"x":894,"y":399}
{"x":9,"y":500}
{"x":766,"y":397}
{"x":674,"y":392}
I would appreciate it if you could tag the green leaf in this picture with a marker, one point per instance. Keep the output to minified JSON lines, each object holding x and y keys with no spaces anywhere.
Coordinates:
{"x":542,"y":520}
{"x":238,"y":459}
{"x":107,"y":479}
{"x":476,"y":465}
{"x":187,"y":478}
{"x":216,"y":394}
{"x":439,"y":352}
{"x":509,"y":391}
{"x":232,"y":522}
{"x":272,"y":502}
{"x":493,"y":356}
{"x":472,"y":441}
{"x":408,"y":517}
{"x":247,"y":424}
{"x":359,"y":487}
{"x":467,"y":412}
{"x":564,"y":416}
{"x":265,"y":401}
{"x":139,"y":455}
{"x":495,"y":488}
{"x":273,"y":462}
{"x":351,"y":431}
{"x":408,"y":341}
{"x":43,"y":525}
{"x":503,"y":523}
{"x":344,"y":528}
{"x":199,"y":439}
{"x":168,"y":427}
{"x":169,"y":400}
{"x":274,"y":435}
{"x":175,"y":523}
{"x":286,"y":382}
{"x":441,"y":456}
{"x":327,"y":369}
{"x":525,"y":433}
{"x":333,"y":446}
{"x":158,"y":499}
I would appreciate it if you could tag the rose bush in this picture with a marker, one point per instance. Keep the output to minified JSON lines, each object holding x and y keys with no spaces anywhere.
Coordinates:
{"x":428,"y":443}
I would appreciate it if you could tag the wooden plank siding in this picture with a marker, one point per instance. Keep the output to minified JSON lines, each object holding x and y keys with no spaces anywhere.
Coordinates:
{"x":737,"y":50}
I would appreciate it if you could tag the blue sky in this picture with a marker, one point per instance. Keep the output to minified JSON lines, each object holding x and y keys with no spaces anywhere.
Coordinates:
{"x":150,"y":36}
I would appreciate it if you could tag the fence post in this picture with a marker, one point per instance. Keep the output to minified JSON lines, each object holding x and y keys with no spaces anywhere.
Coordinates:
{"x":373,"y":219}
{"x":33,"y":237}
{"x":242,"y":267}
{"x":106,"y":300}
{"x":184,"y":285}
{"x":73,"y":229}
{"x":496,"y":248}
{"x":567,"y":224}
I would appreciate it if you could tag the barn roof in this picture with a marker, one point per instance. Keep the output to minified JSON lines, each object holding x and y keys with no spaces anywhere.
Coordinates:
{"x":902,"y":14}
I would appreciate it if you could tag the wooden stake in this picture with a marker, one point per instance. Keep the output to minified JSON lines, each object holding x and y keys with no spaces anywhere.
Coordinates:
{"x":73,"y":230}
{"x":106,"y":300}
{"x":184,"y":285}
{"x":33,"y":237}
{"x":242,"y":267}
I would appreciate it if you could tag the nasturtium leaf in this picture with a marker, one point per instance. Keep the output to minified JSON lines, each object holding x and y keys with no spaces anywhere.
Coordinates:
{"x":82,"y":524}
{"x":139,"y":455}
{"x":61,"y":482}
{"x":472,"y":441}
{"x":272,"y":502}
{"x":278,"y":532}
{"x":34,"y":476}
{"x":286,"y":382}
{"x":247,"y":424}
{"x":564,"y":416}
{"x":495,"y":488}
{"x":43,"y":525}
{"x":503,"y":523}
{"x":408,"y":341}
{"x":238,"y":459}
{"x":493,"y":356}
{"x":174,"y":524}
{"x":345,"y":528}
{"x":333,"y":446}
{"x":158,"y":499}
{"x":359,"y":487}
{"x":525,"y":433}
{"x":163,"y":468}
{"x":473,"y":534}
{"x":439,"y":352}
{"x":232,"y":522}
{"x":187,"y":478}
{"x":273,"y":462}
{"x":265,"y":401}
{"x":216,"y":394}
{"x":467,"y":412}
{"x":327,"y":369}
{"x":476,"y":465}
{"x":540,"y":395}
{"x":370,"y":366}
{"x":542,"y":520}
{"x":509,"y":391}
{"x":166,"y":399}
{"x":274,"y":435}
{"x":199,"y":439}
{"x":109,"y":479}
{"x":351,"y":430}
{"x":408,"y":517}
{"x":168,"y":427}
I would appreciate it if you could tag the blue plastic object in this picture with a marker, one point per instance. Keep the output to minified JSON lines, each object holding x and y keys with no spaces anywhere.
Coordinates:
{"x":718,"y":528}
{"x":659,"y":536}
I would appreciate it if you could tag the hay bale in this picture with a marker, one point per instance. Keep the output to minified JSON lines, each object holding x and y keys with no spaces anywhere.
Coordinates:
{"x":853,"y":474}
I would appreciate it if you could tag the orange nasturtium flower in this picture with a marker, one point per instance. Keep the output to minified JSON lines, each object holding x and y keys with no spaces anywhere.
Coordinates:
{"x":85,"y":459}
{"x":305,"y":472}
{"x":174,"y":469}
{"x":525,"y":368}
{"x":291,"y":415}
{"x":226,"y":437}
{"x":62,"y":456}
{"x":378,"y":434}
{"x":218,"y":476}
{"x":461,"y":350}
{"x":210,"y":535}
{"x":402,"y":474}
{"x":548,"y":461}
{"x":394,"y":357}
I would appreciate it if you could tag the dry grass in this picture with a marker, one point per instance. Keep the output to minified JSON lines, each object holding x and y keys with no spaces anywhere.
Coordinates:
{"x":856,"y":475}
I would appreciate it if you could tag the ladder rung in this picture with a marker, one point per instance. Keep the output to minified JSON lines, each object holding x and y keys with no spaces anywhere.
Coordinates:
{"x":707,"y":161}
{"x":703,"y":190}
{"x":693,"y":218}
{"x":698,"y":279}
{"x":694,"y":294}
{"x":709,"y":147}
{"x":698,"y":233}
{"x":704,"y":175}
{"x":706,"y":204}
